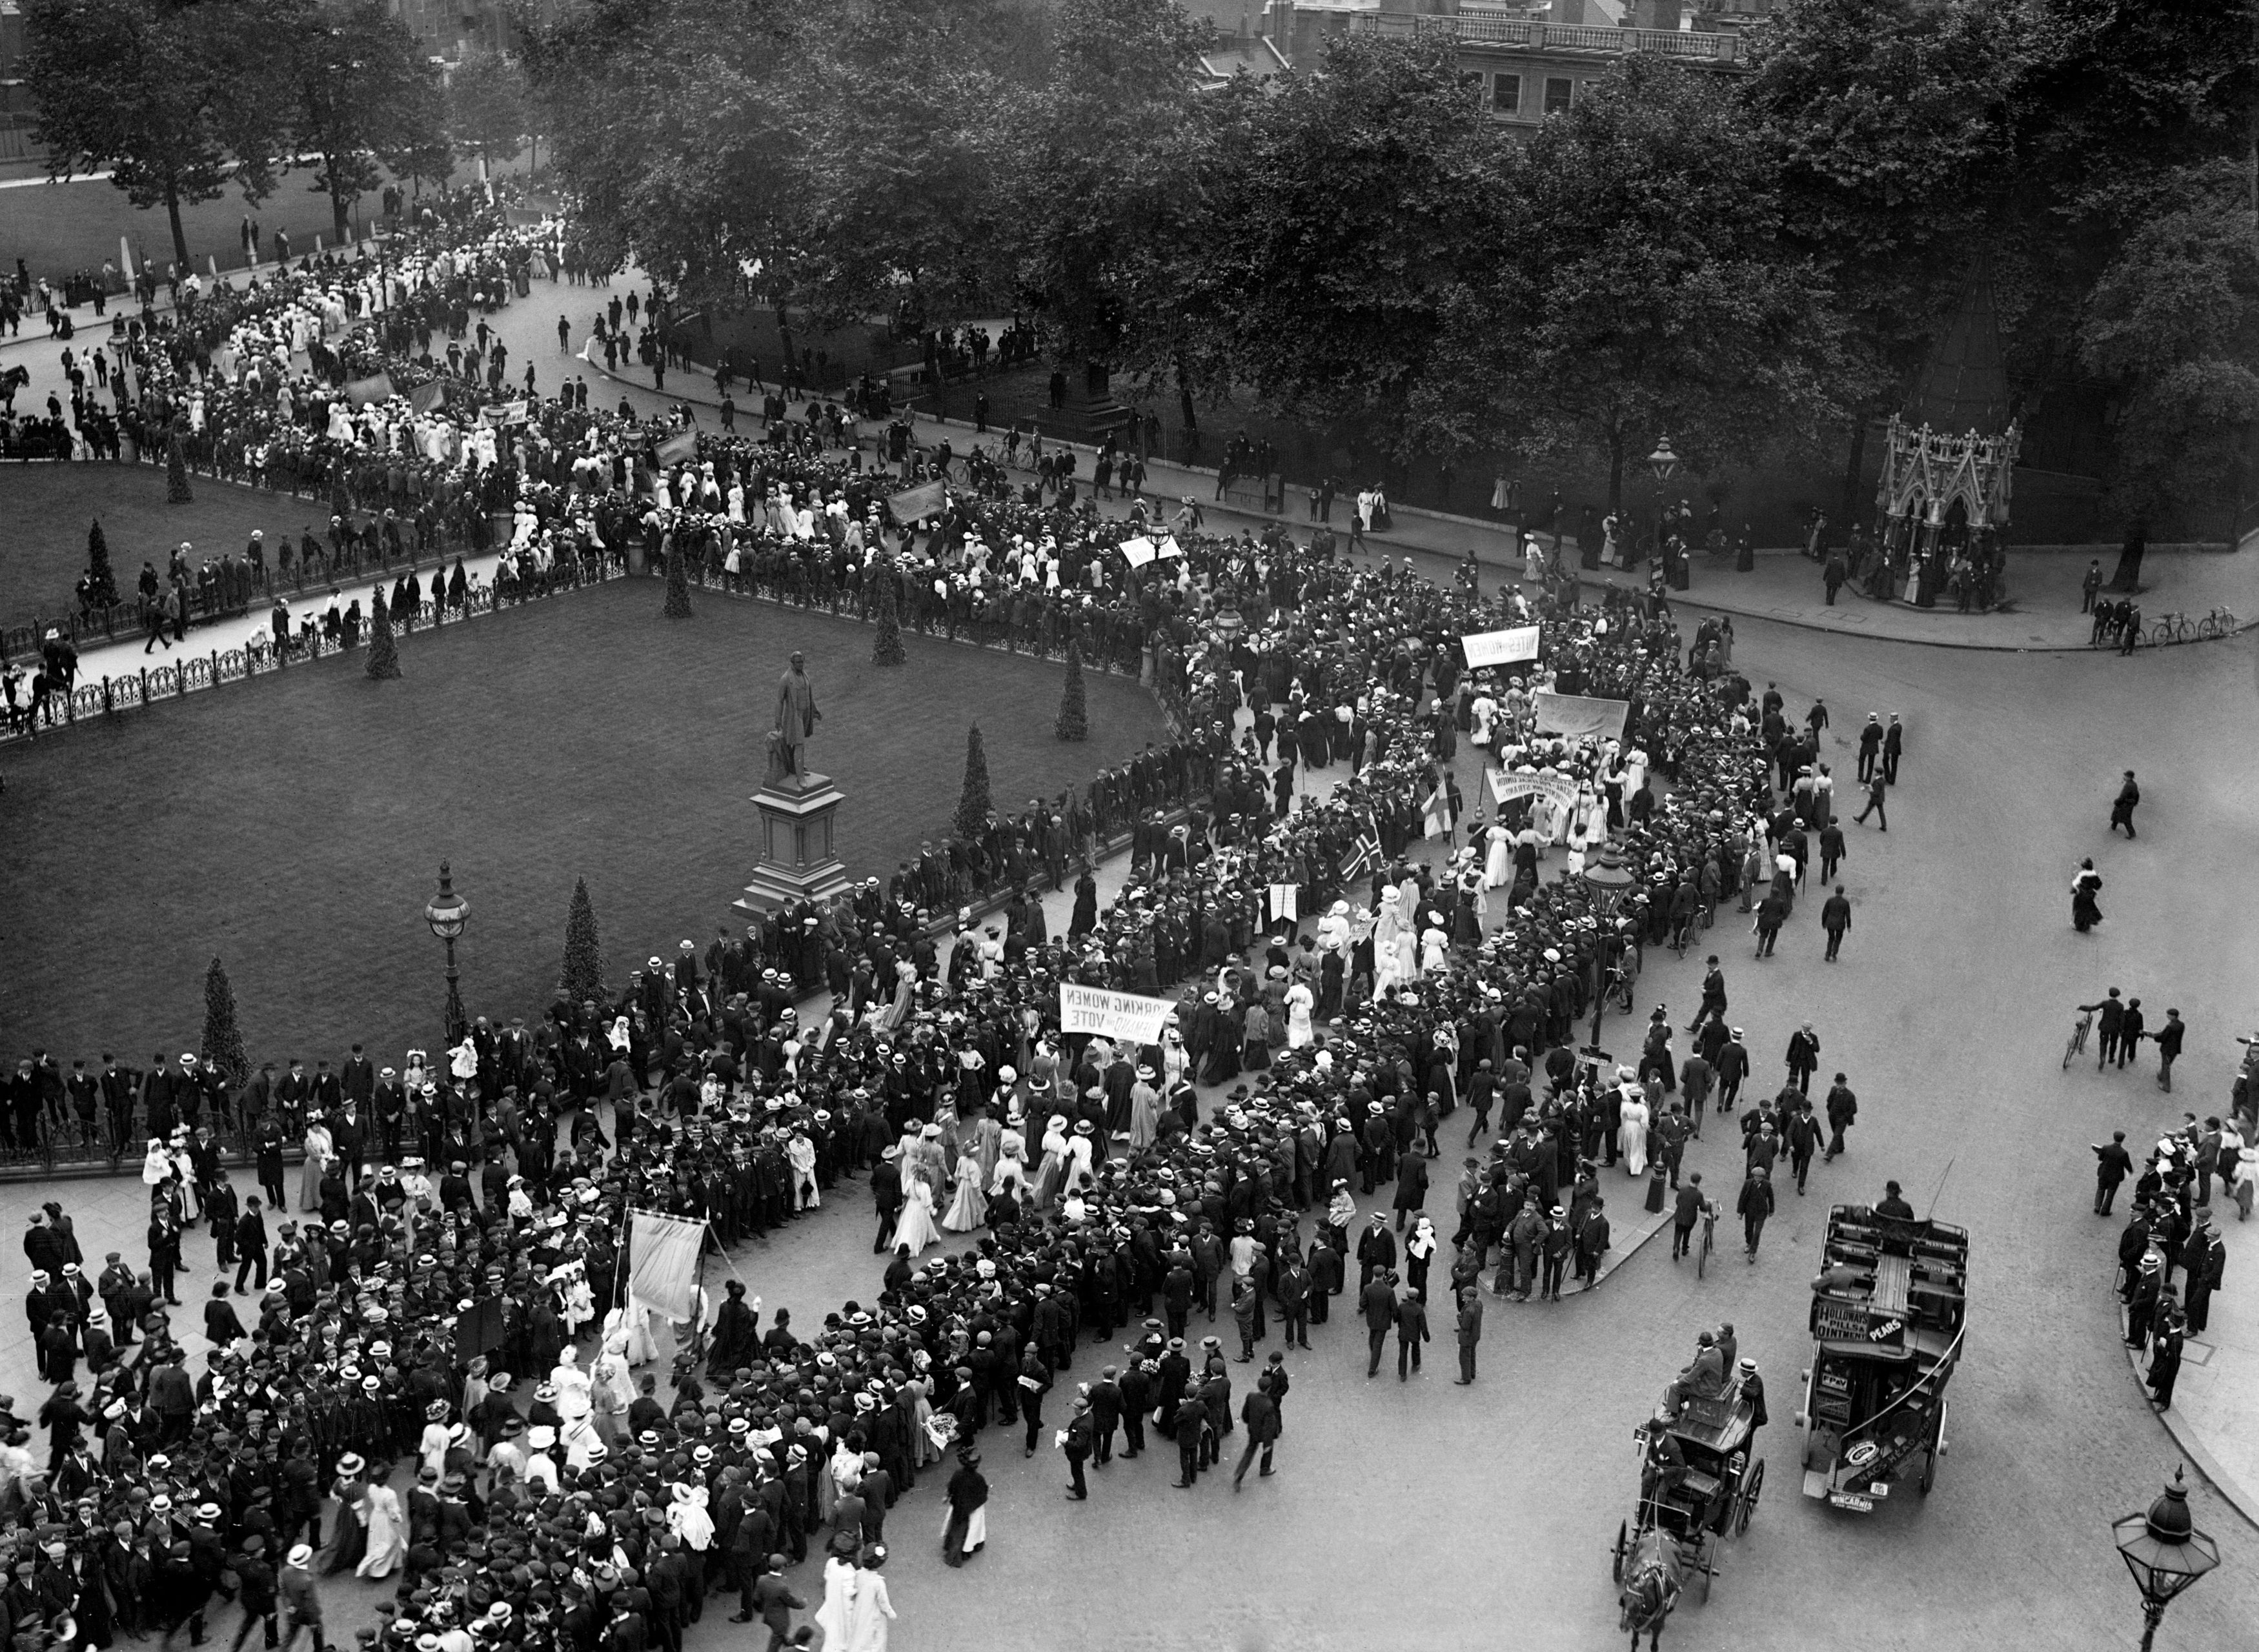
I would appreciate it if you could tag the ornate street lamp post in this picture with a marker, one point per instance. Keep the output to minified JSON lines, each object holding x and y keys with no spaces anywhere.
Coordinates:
{"x":1607,"y":883}
{"x":1663,"y":463}
{"x":2165,"y":1552}
{"x":447,"y":913}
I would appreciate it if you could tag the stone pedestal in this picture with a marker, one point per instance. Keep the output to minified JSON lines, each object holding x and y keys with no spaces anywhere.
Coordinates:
{"x":797,"y":859}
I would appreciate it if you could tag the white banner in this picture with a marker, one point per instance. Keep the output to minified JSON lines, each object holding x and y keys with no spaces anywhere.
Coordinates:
{"x":663,"y":1267}
{"x":1093,"y":1009}
{"x":1169,"y":547}
{"x":1500,"y":648}
{"x":1504,"y":788}
{"x":1578,"y":714}
{"x":1137,"y":552}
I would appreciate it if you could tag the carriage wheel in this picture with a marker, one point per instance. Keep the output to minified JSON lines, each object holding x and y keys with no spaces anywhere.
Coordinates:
{"x":1623,"y":1548}
{"x":1936,"y":1445}
{"x":1750,"y":1489}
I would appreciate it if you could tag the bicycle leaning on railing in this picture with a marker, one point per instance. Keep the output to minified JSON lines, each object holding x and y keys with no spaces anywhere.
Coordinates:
{"x":2167,"y":628}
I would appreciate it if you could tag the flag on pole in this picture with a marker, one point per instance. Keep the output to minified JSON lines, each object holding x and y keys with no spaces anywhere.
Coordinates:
{"x":1364,"y":855}
{"x":678,"y":450}
{"x":663,"y":1269}
{"x":1435,"y":815}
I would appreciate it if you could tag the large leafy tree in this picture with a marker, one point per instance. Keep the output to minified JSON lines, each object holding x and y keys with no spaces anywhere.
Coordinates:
{"x":2172,"y":327}
{"x":363,"y":98}
{"x":1643,"y":288}
{"x":486,"y":107}
{"x":1102,"y":160}
{"x":1912,"y":133}
{"x":903,"y":104}
{"x":1339,"y":214}
{"x":171,"y":98}
{"x":1892,"y":125}
{"x":675,"y":130}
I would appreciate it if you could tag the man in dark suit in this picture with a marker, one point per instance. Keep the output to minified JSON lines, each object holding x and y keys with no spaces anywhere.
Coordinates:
{"x":1261,"y":1416}
{"x":359,"y":1080}
{"x":251,"y":1244}
{"x":1411,"y":1331}
{"x":887,"y":1194}
{"x":2112,"y":1165}
{"x":1376,"y":1248}
{"x":1469,"y":1329}
{"x":1378,"y":1303}
{"x":1835,"y":919}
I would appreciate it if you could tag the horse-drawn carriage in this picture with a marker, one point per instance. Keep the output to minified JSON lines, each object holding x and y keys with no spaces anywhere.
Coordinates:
{"x":1698,"y":1483}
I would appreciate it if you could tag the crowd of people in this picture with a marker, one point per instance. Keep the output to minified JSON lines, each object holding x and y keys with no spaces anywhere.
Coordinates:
{"x":2170,"y":1230}
{"x":460,"y":1227}
{"x":462,"y":1221}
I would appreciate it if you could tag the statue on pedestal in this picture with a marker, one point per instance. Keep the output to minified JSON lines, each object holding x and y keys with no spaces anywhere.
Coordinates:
{"x":796,"y":717}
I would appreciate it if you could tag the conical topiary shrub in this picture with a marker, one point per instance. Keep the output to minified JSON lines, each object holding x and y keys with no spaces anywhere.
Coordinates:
{"x":678,"y":581}
{"x":97,"y":566}
{"x":383,"y":653}
{"x":177,"y":491}
{"x":887,"y":650}
{"x":581,"y":976}
{"x":973,"y":803}
{"x":222,"y":1047}
{"x":1075,"y":717}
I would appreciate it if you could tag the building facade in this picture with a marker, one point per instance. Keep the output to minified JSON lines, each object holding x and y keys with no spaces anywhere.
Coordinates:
{"x":1526,"y":61}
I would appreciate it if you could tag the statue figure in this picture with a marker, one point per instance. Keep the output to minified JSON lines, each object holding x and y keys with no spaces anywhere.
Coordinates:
{"x":796,"y":717}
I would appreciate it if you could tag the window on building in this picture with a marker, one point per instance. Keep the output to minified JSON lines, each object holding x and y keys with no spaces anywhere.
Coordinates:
{"x":1557,"y":93}
{"x":1505,"y":94}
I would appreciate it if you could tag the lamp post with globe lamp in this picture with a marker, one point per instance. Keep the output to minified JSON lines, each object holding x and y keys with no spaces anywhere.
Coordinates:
{"x":2164,"y":1551}
{"x":1606,"y":884}
{"x":448,"y":913}
{"x":1663,"y":465}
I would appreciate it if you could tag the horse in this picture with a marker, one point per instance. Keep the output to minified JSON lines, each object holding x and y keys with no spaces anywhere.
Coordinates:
{"x":1652,"y":1579}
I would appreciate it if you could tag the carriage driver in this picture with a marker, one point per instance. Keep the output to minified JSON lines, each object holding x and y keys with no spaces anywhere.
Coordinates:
{"x":1666,"y":1465}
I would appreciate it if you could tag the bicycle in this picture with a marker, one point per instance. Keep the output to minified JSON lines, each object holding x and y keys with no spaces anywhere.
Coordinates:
{"x":2171,"y":628}
{"x":2077,"y":1045}
{"x":1709,"y":1236}
{"x":2219,"y":623}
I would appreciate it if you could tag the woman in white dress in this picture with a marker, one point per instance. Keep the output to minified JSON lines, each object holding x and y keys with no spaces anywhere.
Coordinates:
{"x":1081,"y":1151}
{"x":1011,"y":1172}
{"x":1631,"y":1132}
{"x":1483,"y":713}
{"x":1434,"y":946}
{"x":1051,"y":1171}
{"x":916,"y":1228}
{"x":632,"y":1322}
{"x":1579,"y":840}
{"x":319,"y":1149}
{"x":432,"y":1446}
{"x":613,"y":1388}
{"x":387,"y":1532}
{"x":1497,"y":862}
{"x":839,"y":1598}
{"x":1545,"y":820}
{"x":870,"y":1611}
{"x":969,"y":1209}
{"x":1387,"y":925}
{"x":1299,"y":1001}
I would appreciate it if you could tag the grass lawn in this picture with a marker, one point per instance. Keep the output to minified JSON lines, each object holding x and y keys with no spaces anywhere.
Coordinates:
{"x":61,"y":227}
{"x":294,"y":825}
{"x":48,"y":509}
